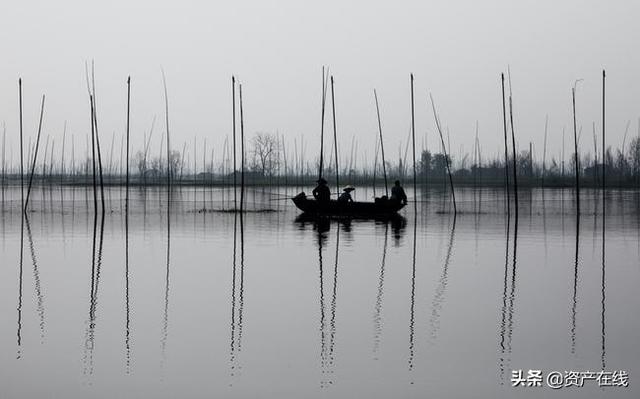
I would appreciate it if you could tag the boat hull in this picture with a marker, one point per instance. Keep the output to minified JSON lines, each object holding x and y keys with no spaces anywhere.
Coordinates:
{"x":381,"y":206}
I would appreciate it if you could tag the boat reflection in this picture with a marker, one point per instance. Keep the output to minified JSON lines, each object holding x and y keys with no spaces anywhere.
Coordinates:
{"x":322,"y":224}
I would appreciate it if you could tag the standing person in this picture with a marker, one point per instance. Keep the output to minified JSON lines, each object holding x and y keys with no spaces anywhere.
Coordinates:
{"x":322,"y":193}
{"x":398,"y":194}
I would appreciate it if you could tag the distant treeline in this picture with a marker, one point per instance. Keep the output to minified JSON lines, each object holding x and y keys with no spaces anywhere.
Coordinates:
{"x":270,"y":162}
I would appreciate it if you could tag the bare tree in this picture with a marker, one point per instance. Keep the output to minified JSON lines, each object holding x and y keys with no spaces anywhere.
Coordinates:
{"x":265,"y":151}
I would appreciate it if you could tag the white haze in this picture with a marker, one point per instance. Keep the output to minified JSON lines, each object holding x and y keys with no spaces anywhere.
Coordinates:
{"x":456,"y":49}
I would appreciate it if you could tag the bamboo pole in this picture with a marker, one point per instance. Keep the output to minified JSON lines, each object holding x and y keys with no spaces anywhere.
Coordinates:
{"x":324,"y":96}
{"x":506,"y":153}
{"x":544,"y":150}
{"x":413,"y":140}
{"x":563,"y":143}
{"x":97,"y":137}
{"x":603,"y":221}
{"x":4,"y":164}
{"x":64,"y":139}
{"x":126,"y":198}
{"x":375,"y":166}
{"x":595,"y":155}
{"x":384,"y":167}
{"x":126,"y":220}
{"x":513,"y":142}
{"x":35,"y":156}
{"x":166,"y":115}
{"x":446,"y":156}
{"x":93,"y":157}
{"x":21,"y":148}
{"x":575,"y":142}
{"x":241,"y":151}
{"x":233,"y":108}
{"x":604,"y":159}
{"x":335,"y":137}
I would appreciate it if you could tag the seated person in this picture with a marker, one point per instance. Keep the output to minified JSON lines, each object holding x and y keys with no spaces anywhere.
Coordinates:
{"x":346,"y":194}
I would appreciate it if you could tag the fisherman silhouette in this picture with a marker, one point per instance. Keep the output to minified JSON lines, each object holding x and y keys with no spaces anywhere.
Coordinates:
{"x":398,"y":194}
{"x":346,"y":194}
{"x":322,"y":193}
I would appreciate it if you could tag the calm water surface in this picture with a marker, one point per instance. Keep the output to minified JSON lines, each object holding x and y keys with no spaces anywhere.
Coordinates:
{"x":198,"y":304}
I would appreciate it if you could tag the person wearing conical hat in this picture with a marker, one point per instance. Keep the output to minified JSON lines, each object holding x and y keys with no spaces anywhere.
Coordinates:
{"x":346,"y":194}
{"x":321,"y":192}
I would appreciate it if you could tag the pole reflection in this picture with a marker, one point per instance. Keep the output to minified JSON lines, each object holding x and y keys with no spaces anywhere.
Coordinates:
{"x":127,"y":339}
{"x":233,"y":297}
{"x":96,"y":263}
{"x":237,"y":298}
{"x":508,"y":304}
{"x":413,"y":298}
{"x":165,"y":317}
{"x":377,"y":314}
{"x":574,"y":301}
{"x":36,"y":278}
{"x":503,"y":323}
{"x":441,"y":290}
{"x":19,"y":307}
{"x":332,"y":323}
{"x":241,"y":297}
{"x":322,"y":226}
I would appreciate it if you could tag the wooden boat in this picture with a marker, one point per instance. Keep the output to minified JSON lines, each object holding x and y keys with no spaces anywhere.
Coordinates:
{"x":381,"y":206}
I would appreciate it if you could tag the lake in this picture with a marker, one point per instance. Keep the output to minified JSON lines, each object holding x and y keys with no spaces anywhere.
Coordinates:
{"x":190,"y":301}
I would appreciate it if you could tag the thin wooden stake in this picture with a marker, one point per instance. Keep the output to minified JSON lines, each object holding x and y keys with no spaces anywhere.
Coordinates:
{"x":446,"y":156}
{"x":506,"y":153}
{"x":604,"y":159}
{"x":4,"y":165}
{"x":166,"y":116}
{"x":21,"y":147}
{"x":324,"y":96}
{"x":413,"y":140}
{"x":97,"y":137}
{"x":241,"y":151}
{"x":35,"y":156}
{"x":575,"y":142}
{"x":384,"y":166}
{"x":335,"y":136}
{"x":126,"y":201}
{"x":515,"y":159}
{"x":64,"y":139}
{"x":93,"y":157}
{"x":233,"y":108}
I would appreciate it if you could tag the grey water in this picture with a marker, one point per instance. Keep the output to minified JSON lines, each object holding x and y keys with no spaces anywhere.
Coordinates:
{"x":184,"y":300}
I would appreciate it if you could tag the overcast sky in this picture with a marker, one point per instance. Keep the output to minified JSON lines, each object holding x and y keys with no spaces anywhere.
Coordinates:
{"x":456,"y":49}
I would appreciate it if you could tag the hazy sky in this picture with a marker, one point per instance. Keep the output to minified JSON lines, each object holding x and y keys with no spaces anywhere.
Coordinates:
{"x":456,"y":49}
